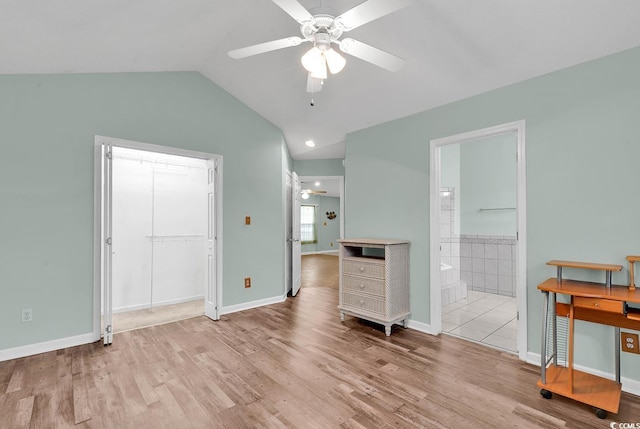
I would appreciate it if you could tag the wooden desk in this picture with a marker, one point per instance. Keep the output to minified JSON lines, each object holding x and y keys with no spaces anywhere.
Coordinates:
{"x":592,"y":302}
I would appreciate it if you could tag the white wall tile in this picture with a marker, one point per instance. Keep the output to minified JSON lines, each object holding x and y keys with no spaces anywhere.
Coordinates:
{"x":491,"y":281}
{"x":504,"y":251}
{"x":505,"y":268}
{"x":491,"y":251}
{"x":491,"y":266}
{"x":478,"y":281}
{"x":478,"y":265}
{"x":465,"y":249}
{"x":477,"y":250}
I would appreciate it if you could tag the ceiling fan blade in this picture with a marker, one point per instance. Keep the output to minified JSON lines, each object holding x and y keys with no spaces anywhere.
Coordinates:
{"x":265,"y":47}
{"x":370,"y":54}
{"x":369,"y":11}
{"x":295,"y":9}
{"x":313,"y":84}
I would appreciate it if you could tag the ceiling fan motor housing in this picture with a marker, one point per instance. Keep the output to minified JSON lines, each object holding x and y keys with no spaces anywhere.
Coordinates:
{"x":322,"y":30}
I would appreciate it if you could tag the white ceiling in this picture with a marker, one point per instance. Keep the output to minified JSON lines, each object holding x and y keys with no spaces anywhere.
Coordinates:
{"x":453,"y":49}
{"x":320,"y":183}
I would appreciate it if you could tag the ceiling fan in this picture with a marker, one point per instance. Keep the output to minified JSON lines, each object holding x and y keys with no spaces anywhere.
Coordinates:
{"x":308,"y":191}
{"x":323,"y":30}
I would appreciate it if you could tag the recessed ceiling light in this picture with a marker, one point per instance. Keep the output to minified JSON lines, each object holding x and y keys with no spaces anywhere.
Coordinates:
{"x":310,"y":143}
{"x":317,"y":183}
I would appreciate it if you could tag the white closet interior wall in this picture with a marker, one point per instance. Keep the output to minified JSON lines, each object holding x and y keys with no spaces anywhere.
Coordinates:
{"x":159,"y":227}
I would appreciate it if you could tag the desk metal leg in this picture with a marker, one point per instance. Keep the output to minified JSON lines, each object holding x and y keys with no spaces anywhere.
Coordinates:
{"x":554,"y":321}
{"x":543,"y":351}
{"x":617,"y":349}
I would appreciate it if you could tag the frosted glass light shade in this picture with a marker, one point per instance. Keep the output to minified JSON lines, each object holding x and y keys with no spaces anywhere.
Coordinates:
{"x":335,"y":61}
{"x":315,"y":63}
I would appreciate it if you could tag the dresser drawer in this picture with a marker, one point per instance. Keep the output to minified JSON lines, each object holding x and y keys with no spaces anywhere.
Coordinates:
{"x":363,"y":284}
{"x":362,"y":268}
{"x":599,"y":304}
{"x":361,"y":302}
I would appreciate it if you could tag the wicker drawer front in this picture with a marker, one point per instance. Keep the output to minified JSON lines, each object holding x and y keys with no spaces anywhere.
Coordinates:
{"x":361,"y":302}
{"x":363,"y":269}
{"x":362,"y":284}
{"x":599,"y":304}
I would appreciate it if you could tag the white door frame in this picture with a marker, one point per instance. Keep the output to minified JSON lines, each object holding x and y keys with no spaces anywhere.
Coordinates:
{"x":288,"y":237}
{"x":521,"y":222}
{"x":97,"y":215}
{"x":296,"y":243}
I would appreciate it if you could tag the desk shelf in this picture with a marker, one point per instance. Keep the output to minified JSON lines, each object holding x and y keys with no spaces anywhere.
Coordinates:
{"x":586,"y":388}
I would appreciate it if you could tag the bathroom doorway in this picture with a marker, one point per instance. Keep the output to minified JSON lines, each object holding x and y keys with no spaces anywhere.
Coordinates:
{"x":477,"y":236}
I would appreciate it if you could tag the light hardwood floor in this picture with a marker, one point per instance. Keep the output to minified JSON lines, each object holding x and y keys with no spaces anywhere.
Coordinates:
{"x":292,"y":364}
{"x":129,"y":320}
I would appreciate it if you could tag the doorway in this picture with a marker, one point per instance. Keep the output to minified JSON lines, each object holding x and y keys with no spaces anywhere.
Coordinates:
{"x":324,"y":221}
{"x":158,"y":219}
{"x":478,"y":238}
{"x":324,"y":198}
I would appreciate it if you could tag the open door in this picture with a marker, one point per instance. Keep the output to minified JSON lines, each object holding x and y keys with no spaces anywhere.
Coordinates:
{"x":210,"y":305}
{"x":296,"y":245}
{"x":107,"y":266}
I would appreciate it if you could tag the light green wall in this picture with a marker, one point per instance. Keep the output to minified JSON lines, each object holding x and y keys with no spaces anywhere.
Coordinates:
{"x":328,"y":230}
{"x":319,"y":167}
{"x":46,"y":186}
{"x":488,"y":180}
{"x":582,"y":158}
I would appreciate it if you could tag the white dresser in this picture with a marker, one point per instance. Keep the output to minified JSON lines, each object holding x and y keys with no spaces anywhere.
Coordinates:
{"x":374,"y":280}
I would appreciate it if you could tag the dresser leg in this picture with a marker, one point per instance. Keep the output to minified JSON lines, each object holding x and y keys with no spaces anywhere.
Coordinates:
{"x":405,"y":323}
{"x":341,"y":316}
{"x":387,"y":330}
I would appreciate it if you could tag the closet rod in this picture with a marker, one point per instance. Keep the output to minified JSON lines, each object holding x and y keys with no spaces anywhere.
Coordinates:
{"x":497,"y":208}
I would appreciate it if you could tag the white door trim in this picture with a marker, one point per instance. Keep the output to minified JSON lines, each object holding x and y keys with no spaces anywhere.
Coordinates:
{"x":97,"y":214}
{"x":521,"y":222}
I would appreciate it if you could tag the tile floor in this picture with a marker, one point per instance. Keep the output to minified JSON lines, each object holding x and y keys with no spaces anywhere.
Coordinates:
{"x":484,"y":318}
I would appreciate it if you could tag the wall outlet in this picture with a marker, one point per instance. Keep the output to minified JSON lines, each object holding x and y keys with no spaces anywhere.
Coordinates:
{"x":247,"y":282}
{"x":629,"y":342}
{"x":27,"y":315}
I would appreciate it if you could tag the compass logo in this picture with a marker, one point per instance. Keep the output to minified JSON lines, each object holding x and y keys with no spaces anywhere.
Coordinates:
{"x":615,"y":425}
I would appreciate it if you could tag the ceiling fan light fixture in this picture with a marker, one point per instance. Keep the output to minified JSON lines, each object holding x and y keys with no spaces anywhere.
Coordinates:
{"x":313,"y":61}
{"x":335,"y":61}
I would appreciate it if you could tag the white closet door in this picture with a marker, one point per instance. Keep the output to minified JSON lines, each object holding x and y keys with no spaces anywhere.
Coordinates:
{"x":296,"y":247}
{"x":210,"y":306}
{"x":107,"y":233}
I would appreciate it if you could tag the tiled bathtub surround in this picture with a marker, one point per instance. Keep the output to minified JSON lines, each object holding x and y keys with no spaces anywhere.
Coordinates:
{"x":487,"y":263}
{"x":453,"y":288}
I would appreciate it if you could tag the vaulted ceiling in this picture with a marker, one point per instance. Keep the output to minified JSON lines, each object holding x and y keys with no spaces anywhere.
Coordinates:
{"x":453,"y":49}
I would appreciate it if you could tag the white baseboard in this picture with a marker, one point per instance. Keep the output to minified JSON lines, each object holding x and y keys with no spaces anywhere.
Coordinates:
{"x":253,"y":304}
{"x":62,"y":343}
{"x":146,"y":306}
{"x":319,"y":252}
{"x":628,"y":385}
{"x":420,"y":326}
{"x":47,"y":346}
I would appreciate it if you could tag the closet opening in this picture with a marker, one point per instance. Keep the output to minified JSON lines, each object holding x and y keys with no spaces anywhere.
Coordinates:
{"x":158,"y":226}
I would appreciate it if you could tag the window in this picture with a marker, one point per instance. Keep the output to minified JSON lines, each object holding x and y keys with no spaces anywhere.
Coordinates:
{"x":308,"y":224}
